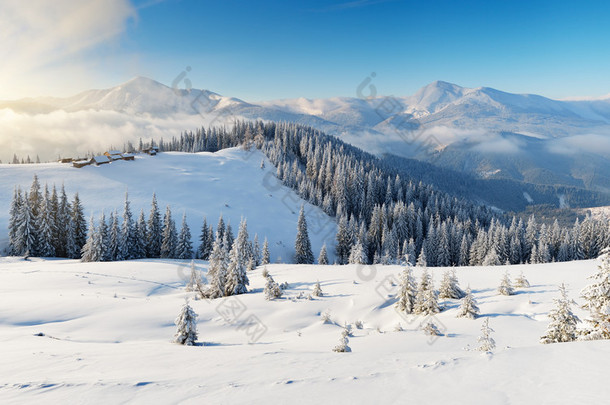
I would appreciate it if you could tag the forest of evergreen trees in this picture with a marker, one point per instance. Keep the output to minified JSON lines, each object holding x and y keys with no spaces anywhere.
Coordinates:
{"x":381,"y":216}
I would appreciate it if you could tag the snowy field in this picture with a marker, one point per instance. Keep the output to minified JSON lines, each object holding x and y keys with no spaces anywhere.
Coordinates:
{"x":229,"y":182}
{"x":108,"y":326}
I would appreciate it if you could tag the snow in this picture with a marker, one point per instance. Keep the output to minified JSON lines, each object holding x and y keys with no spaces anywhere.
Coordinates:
{"x":108,"y":329}
{"x":202,"y":184}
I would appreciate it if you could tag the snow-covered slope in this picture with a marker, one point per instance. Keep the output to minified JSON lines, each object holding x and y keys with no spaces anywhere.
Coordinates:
{"x":229,"y":182}
{"x":107,"y":330}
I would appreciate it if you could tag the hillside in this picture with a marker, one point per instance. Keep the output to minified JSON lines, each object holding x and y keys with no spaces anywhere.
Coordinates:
{"x":107,"y":329}
{"x":229,"y":182}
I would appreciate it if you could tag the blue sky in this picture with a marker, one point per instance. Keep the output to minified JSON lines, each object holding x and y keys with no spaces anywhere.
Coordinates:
{"x":286,"y":49}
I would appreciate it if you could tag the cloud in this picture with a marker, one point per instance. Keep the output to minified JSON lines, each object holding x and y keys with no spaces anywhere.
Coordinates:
{"x":41,"y":40}
{"x":72,"y":134}
{"x":592,"y":143}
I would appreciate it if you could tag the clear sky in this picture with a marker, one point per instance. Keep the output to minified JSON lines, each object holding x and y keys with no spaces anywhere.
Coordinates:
{"x":259,"y":50}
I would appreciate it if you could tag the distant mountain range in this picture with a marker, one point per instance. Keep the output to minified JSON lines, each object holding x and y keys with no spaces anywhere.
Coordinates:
{"x":482,"y":132}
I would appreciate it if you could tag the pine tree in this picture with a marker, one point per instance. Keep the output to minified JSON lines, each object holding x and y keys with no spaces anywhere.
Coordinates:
{"x":421,"y":260}
{"x":195,"y":283}
{"x":323,"y":257}
{"x":468,"y":306}
{"x":186,"y":326}
{"x":103,"y":239}
{"x":407,"y":291}
{"x":597,"y":296}
{"x":506,"y":287}
{"x":184,"y":248}
{"x":486,"y":342}
{"x":170,"y":239}
{"x":266,"y":257}
{"x":449,"y":286}
{"x":155,"y":230}
{"x":563,"y":322}
{"x":302,"y":245}
{"x":342,"y":347}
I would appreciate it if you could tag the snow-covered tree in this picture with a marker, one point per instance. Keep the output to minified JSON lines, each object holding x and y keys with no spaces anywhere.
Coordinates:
{"x":256,"y":251}
{"x":27,"y":240}
{"x":115,"y":248}
{"x":92,"y":250}
{"x":266,"y":257}
{"x":126,"y":247}
{"x":407,"y":291}
{"x":431,"y":329}
{"x":343,"y":347}
{"x":205,"y":241}
{"x":141,"y":236}
{"x":272,"y":289}
{"x":155,"y":230}
{"x":356,"y":255}
{"x":597,"y":297}
{"x":13,"y":223}
{"x":317,"y":290}
{"x":506,"y":287}
{"x":237,"y":279}
{"x":449,"y":286}
{"x":195,"y":282}
{"x":426,"y":302}
{"x":170,"y":239}
{"x":468,"y":306}
{"x":323,"y":256}
{"x":47,"y":228}
{"x":521,"y":281}
{"x":79,"y":222}
{"x":486,"y":342}
{"x":302,"y":245}
{"x":184,"y":248}
{"x":562,"y":327}
{"x":217,"y":271}
{"x":186,"y":326}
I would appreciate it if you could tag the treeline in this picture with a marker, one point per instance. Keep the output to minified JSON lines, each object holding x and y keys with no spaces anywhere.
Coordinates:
{"x":47,"y":224}
{"x":383,"y":216}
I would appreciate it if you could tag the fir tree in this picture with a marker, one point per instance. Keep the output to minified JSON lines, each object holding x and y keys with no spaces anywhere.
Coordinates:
{"x":79,"y":223}
{"x":46,"y":227}
{"x":426,"y":302}
{"x":205,"y":245}
{"x":356,"y":255}
{"x":237,"y":279}
{"x":14,"y":222}
{"x":114,"y":250}
{"x":302,"y":245}
{"x":27,"y":241}
{"x":521,"y":281}
{"x":256,"y":251}
{"x":141,"y":236}
{"x":563,"y":322}
{"x":468,"y":306}
{"x":186,"y":326}
{"x":127,"y":245}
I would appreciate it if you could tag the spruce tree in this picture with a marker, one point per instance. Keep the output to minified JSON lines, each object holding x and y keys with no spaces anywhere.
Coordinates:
{"x":170,"y":239}
{"x":79,"y":223}
{"x":323,"y":257}
{"x":563,"y":322}
{"x":184,"y":248}
{"x":205,"y":244}
{"x":155,"y":230}
{"x":128,"y":242}
{"x":237,"y":279}
{"x":521,"y":281}
{"x":357,"y":255}
{"x":426,"y":302}
{"x":407,"y":291}
{"x":27,"y":241}
{"x":141,"y":236}
{"x":46,"y":227}
{"x":114,"y":248}
{"x":186,"y":326}
{"x":256,"y":251}
{"x":302,"y":245}
{"x":266,"y":257}
{"x":317,"y":290}
{"x":13,"y":223}
{"x":272,"y":290}
{"x":217,"y":271}
{"x":449,"y":286}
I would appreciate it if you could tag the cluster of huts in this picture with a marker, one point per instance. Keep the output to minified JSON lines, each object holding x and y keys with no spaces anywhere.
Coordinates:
{"x":108,"y":157}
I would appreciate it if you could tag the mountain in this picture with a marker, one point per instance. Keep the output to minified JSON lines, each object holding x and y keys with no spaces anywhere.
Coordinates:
{"x":482,"y":132}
